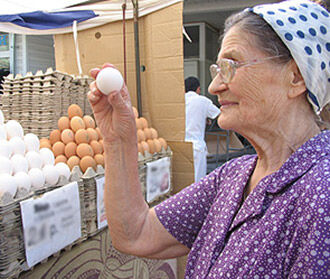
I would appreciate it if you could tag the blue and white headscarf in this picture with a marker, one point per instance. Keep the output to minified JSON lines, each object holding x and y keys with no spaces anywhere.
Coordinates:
{"x":304,"y":27}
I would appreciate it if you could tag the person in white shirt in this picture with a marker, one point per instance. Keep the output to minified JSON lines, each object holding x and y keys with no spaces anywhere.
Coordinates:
{"x":198,"y":110}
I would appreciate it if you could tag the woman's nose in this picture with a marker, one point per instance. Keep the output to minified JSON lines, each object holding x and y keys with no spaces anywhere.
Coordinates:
{"x":217,"y":85}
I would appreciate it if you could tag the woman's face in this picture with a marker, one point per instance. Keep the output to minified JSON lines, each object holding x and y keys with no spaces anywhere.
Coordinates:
{"x":255,"y":97}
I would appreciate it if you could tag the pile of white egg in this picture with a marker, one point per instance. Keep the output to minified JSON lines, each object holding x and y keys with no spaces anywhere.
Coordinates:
{"x":24,"y":167}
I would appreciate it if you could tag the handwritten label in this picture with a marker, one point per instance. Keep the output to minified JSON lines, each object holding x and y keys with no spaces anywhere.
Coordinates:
{"x":101,"y":216}
{"x":50,"y":222}
{"x":158,"y":178}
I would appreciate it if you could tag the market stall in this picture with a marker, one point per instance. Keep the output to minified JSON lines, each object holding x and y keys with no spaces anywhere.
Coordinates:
{"x":156,"y":84}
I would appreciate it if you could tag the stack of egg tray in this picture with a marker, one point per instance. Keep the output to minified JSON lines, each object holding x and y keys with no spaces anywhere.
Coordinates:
{"x":12,"y":253}
{"x":90,"y":199}
{"x":12,"y":250}
{"x":38,"y":101}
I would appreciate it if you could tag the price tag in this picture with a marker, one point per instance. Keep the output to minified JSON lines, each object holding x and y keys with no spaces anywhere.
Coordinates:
{"x":50,"y":222}
{"x":158,"y":178}
{"x":101,"y":216}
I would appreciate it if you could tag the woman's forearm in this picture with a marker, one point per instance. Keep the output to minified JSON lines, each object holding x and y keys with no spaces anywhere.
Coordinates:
{"x":125,"y":206}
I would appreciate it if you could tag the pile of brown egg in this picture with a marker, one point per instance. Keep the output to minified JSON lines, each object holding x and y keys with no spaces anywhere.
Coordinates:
{"x":148,"y":140}
{"x":77,"y":141}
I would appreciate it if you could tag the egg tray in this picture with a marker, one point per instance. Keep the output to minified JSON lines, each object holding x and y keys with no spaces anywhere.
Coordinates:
{"x":12,"y":250}
{"x":38,"y":101}
{"x":90,"y":199}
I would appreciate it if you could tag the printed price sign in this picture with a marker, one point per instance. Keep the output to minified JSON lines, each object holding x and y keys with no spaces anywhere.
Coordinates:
{"x":158,"y":178}
{"x":101,"y":217}
{"x":50,"y":222}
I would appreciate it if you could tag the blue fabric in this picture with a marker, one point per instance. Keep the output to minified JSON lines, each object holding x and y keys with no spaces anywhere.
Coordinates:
{"x":43,"y":21}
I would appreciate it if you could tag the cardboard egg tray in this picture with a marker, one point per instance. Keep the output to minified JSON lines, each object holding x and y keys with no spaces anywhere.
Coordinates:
{"x":38,"y":101}
{"x":90,"y":196}
{"x":12,"y":250}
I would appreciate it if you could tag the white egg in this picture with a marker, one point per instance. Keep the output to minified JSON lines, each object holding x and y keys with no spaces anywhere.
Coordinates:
{"x":109,"y":80}
{"x":63,"y":169}
{"x":51,"y":174}
{"x":5,"y":148}
{"x":47,"y":156}
{"x":20,"y":163}
{"x":17,"y":145}
{"x":2,"y":118}
{"x":34,"y":159}
{"x":5,"y":165}
{"x":23,"y":180}
{"x":14,"y":129}
{"x":3,"y":132}
{"x":31,"y":142}
{"x":7,"y":184}
{"x":37,"y":178}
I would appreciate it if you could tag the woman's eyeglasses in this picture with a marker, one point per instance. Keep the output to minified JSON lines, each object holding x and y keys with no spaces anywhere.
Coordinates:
{"x":227,"y":67}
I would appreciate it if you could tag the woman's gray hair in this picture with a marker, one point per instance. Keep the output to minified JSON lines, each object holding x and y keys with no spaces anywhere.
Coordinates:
{"x":266,"y":38}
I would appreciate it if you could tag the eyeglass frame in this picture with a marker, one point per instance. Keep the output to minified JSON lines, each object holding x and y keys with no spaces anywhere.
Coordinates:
{"x":215,"y":69}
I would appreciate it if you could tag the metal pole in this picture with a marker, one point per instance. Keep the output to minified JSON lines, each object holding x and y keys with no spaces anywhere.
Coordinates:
{"x":137,"y":55}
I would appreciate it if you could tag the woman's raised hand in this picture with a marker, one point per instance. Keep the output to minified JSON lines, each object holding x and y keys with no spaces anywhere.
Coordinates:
{"x":113,"y":113}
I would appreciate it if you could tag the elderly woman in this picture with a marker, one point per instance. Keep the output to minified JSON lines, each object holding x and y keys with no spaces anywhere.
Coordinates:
{"x":258,"y":216}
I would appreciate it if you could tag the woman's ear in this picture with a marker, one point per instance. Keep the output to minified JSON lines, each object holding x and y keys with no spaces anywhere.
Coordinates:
{"x":297,"y":83}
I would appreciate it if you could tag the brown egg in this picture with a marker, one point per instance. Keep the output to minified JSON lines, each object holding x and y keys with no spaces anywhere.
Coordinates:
{"x":92,"y":134}
{"x":154,"y":133}
{"x":145,"y":146}
{"x":81,"y":136}
{"x":97,"y":129}
{"x":44,"y":139}
{"x":84,"y":149}
{"x":67,"y":136}
{"x":101,"y":143}
{"x":89,"y":121}
{"x":74,"y":110}
{"x":54,"y":136}
{"x":140,"y":148}
{"x":139,"y":124}
{"x":86,"y":162}
{"x":96,"y":146}
{"x":70,"y":149}
{"x":158,"y":145}
{"x":147,"y":133}
{"x":140,"y":135}
{"x":77,"y":123}
{"x":144,"y":122}
{"x":60,"y":159}
{"x":99,"y":159}
{"x":45,"y":144}
{"x":73,"y":161}
{"x":135,"y":111}
{"x":151,"y":144}
{"x":63,"y":123}
{"x":163,"y":143}
{"x":58,"y":148}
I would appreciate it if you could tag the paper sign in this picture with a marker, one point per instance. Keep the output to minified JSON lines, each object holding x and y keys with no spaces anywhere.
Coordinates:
{"x":101,"y":216}
{"x":158,"y":178}
{"x":50,"y":222}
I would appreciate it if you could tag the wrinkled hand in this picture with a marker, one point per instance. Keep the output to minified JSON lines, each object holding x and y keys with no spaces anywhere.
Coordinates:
{"x":113,"y":113}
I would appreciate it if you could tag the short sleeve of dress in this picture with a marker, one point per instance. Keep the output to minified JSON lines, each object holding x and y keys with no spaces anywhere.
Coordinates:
{"x":184,"y":213}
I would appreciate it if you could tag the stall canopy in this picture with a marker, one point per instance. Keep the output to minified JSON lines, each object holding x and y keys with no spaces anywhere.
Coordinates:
{"x":43,"y":17}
